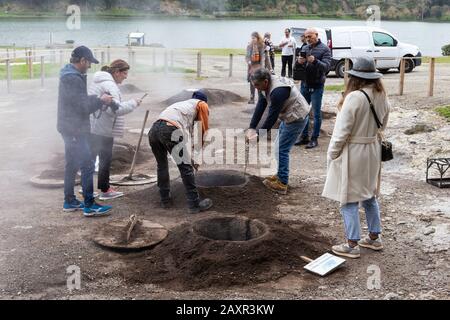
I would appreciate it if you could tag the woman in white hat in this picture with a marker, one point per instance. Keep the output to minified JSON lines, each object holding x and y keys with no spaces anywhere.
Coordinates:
{"x":354,"y":156}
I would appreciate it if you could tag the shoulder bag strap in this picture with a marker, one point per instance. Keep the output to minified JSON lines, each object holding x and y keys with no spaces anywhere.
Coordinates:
{"x":379,"y":124}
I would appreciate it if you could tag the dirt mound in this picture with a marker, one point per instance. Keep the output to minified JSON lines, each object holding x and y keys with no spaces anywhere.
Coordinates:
{"x":57,"y":165}
{"x":188,"y":261}
{"x":216,"y":97}
{"x":130,"y":88}
{"x":123,"y":154}
{"x":263,"y":201}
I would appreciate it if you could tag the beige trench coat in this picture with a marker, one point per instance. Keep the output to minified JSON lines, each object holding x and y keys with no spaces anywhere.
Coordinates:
{"x":354,"y":153}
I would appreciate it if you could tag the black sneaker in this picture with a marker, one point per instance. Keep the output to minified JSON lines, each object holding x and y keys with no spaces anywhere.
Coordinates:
{"x":312,"y":144}
{"x":302,"y":141}
{"x":203,"y":205}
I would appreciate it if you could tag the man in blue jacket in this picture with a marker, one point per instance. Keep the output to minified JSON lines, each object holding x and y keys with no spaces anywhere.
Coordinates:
{"x":317,"y":60}
{"x":74,"y":108}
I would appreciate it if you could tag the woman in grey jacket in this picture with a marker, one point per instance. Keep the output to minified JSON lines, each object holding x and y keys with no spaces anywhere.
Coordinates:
{"x":107,"y":124}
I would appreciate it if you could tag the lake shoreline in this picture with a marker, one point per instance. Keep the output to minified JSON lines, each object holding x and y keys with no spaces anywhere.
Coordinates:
{"x":233,"y":16}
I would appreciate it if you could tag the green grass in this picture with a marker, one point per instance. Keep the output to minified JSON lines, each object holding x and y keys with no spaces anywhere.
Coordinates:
{"x":335,"y":87}
{"x":161,"y":69}
{"x":20,"y":72}
{"x":444,"y":111}
{"x":219,"y":52}
{"x":438,"y":59}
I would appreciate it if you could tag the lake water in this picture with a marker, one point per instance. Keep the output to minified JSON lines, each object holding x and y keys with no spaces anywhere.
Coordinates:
{"x":192,"y":33}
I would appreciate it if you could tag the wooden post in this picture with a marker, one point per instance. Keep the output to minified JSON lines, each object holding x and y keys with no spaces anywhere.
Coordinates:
{"x":154,"y":58}
{"x":7,"y":53}
{"x":34,"y":53}
{"x":61,"y":58}
{"x":42,"y":71}
{"x":130,"y":61}
{"x":346,"y":68}
{"x":133,"y":58}
{"x":30,"y":65}
{"x":166,"y":67}
{"x":102,"y":59}
{"x":432,"y":71}
{"x":108,"y":55}
{"x":402,"y":76}
{"x":8,"y":76}
{"x":199,"y":64}
{"x":230,"y":74}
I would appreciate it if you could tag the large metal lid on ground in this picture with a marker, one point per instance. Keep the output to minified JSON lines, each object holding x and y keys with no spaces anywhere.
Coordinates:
{"x":130,"y":234}
{"x":134,"y":180}
{"x":51,"y":179}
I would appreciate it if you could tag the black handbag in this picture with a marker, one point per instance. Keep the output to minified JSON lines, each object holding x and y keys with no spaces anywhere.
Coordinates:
{"x":386,"y":146}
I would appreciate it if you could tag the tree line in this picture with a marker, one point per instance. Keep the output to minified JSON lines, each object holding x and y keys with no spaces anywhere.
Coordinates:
{"x":391,"y":9}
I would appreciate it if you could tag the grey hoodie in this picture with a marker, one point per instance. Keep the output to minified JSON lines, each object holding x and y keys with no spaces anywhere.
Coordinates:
{"x":108,"y":123}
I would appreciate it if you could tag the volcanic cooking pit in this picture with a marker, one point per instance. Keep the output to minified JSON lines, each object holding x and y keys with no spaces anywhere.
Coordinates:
{"x":231,"y":229}
{"x":221,"y":179}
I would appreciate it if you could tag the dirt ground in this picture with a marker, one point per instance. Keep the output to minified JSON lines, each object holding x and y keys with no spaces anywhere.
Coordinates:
{"x":38,"y":242}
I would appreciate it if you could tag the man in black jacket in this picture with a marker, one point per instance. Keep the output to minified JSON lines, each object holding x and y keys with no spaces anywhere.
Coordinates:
{"x":317,"y":64}
{"x":74,"y":109}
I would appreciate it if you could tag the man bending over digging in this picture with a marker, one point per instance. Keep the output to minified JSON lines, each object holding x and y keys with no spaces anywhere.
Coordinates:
{"x":287,"y":104}
{"x":174,"y":127}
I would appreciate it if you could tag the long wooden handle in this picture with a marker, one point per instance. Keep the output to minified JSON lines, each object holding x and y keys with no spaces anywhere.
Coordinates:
{"x":306,"y":259}
{"x":138,"y":145}
{"x":130,"y":226}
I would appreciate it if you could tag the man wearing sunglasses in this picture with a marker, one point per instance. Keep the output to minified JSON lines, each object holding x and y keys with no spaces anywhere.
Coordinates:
{"x":316,"y":58}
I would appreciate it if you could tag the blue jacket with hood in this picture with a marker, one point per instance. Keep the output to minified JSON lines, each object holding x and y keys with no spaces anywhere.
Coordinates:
{"x":74,"y":104}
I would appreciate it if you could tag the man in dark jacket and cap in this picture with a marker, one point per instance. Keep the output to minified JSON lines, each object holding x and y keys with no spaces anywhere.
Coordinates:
{"x":74,"y":109}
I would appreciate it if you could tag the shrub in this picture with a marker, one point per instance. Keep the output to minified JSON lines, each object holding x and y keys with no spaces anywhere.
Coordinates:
{"x":446,"y":50}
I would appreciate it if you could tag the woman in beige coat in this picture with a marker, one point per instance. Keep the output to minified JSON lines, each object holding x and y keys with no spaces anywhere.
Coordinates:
{"x":255,"y":59}
{"x":354,"y":157}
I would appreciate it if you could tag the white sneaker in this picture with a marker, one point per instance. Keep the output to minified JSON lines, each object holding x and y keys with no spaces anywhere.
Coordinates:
{"x":110,"y":194}
{"x":346,"y":251}
{"x":376,"y":245}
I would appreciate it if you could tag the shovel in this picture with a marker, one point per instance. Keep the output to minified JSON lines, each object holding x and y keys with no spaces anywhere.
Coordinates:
{"x":130,"y":176}
{"x":323,"y":265}
{"x":139,"y":178}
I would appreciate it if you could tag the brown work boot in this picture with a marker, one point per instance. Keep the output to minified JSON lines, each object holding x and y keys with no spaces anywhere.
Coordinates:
{"x":276,"y":186}
{"x":272,"y":178}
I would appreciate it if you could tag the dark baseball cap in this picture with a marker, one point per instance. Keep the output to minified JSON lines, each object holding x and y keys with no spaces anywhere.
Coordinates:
{"x":84,"y":52}
{"x":200,"y":95}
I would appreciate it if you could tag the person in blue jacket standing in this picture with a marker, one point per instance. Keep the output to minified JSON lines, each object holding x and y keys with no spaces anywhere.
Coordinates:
{"x":73,"y":123}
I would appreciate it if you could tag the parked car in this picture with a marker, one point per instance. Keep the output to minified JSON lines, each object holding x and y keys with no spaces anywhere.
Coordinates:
{"x":355,"y":41}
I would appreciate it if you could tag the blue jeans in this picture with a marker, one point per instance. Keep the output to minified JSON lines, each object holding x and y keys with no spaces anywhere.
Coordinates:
{"x":287,"y":136}
{"x":78,"y":157}
{"x":313,"y":96}
{"x":350,"y":213}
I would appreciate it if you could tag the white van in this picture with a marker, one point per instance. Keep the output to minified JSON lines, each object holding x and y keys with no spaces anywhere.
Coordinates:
{"x":356,"y":41}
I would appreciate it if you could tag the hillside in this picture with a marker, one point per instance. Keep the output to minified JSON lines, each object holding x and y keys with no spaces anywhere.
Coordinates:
{"x":391,"y":9}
